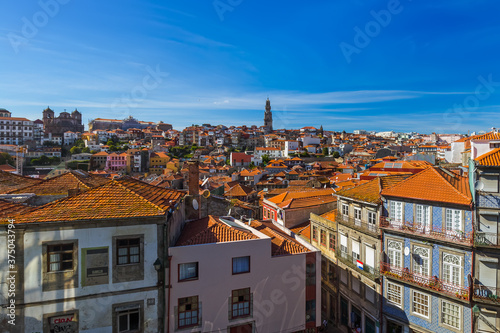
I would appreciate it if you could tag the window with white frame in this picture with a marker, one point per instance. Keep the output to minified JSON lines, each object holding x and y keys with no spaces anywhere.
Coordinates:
{"x":395,"y":253}
{"x":452,"y":265}
{"x":394,"y":294}
{"x":372,"y":220}
{"x":396,"y":211}
{"x":357,"y":213}
{"x":421,"y":257}
{"x":355,"y":284}
{"x":420,"y":303}
{"x":343,"y":245}
{"x":355,"y":250}
{"x":450,"y":314}
{"x":422,"y":216}
{"x":453,"y":219}
{"x":345,"y":210}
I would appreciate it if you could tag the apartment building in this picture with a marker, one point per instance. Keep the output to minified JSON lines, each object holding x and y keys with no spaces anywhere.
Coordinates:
{"x":427,"y":253}
{"x":270,"y":279}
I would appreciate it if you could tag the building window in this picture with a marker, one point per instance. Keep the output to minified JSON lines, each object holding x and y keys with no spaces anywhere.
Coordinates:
{"x":394,"y":294}
{"x":345,"y":210}
{"x":451,"y":268}
{"x":343,"y":245}
{"x":187,"y":312}
{"x":372,"y":221}
{"x":331,"y":244}
{"x":421,"y":260}
{"x":422,"y":216}
{"x":450,"y":314}
{"x":453,"y":220}
{"x":396,"y":211}
{"x":420,"y":303}
{"x":240,"y":303}
{"x":394,"y":253}
{"x":188,"y":271}
{"x":355,"y":251}
{"x":129,"y":320}
{"x":357,"y":213}
{"x":315,"y":233}
{"x":310,"y":274}
{"x":128,"y":251}
{"x":60,"y":257}
{"x":241,"y":265}
{"x":323,"y":237}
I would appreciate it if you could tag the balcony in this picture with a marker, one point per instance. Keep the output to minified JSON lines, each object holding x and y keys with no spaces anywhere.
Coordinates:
{"x":487,"y":239}
{"x":358,"y":225}
{"x":436,"y":233}
{"x":425,"y":281}
{"x":348,"y":260}
{"x":486,"y":294}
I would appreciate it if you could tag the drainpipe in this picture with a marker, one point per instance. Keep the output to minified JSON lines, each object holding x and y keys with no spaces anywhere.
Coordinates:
{"x":471,"y":287}
{"x":168,"y":301}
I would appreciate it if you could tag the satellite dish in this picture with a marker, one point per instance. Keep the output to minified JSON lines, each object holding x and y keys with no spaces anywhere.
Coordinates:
{"x":479,"y":185}
{"x":206,"y":194}
{"x":195,"y":204}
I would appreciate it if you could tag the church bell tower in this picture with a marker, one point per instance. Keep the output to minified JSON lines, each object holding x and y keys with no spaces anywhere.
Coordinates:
{"x":268,"y":117}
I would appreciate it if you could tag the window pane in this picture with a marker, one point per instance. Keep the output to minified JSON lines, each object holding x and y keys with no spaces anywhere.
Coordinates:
{"x":134,"y":320}
{"x":122,"y":323}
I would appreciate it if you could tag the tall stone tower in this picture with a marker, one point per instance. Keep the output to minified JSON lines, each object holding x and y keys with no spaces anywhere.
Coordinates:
{"x":268,"y":117}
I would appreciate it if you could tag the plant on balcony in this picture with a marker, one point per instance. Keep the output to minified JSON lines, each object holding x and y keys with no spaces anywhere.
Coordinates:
{"x":462,"y":295}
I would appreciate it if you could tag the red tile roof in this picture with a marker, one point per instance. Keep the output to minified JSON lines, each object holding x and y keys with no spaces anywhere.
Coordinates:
{"x":491,"y":158}
{"x":123,"y":198}
{"x":433,"y":184}
{"x":281,"y":243}
{"x":211,"y":230}
{"x":10,"y":182}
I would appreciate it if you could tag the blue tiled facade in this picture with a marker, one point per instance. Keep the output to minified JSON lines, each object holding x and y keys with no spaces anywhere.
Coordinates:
{"x":488,"y":201}
{"x":437,"y":248}
{"x":433,"y":323}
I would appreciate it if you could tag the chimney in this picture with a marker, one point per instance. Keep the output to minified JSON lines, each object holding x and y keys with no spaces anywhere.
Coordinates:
{"x":193,"y":178}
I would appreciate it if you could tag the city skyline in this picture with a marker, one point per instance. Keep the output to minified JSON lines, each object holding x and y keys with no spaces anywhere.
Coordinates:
{"x":382,"y":65}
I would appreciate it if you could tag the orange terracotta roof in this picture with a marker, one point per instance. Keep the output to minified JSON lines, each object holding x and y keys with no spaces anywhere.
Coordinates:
{"x":491,"y":158}
{"x":370,"y":191}
{"x":433,"y":184}
{"x":211,"y":230}
{"x":297,"y":203}
{"x":122,"y":198}
{"x":303,"y":229}
{"x":487,"y":136}
{"x":9,"y":209}
{"x":239,"y":191}
{"x":302,"y":194}
{"x":10,"y":182}
{"x":281,"y":243}
{"x":331,"y":215}
{"x":61,"y":184}
{"x":7,"y":168}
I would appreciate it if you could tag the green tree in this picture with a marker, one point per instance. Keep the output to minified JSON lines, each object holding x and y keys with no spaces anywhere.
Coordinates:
{"x":325,"y":151}
{"x":5,"y":158}
{"x":336,"y":154}
{"x":75,"y":150}
{"x":265,"y":159}
{"x":79,"y":143}
{"x":86,"y":150}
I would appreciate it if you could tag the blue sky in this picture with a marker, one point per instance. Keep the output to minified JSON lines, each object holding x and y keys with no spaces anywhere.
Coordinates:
{"x":376,"y":65}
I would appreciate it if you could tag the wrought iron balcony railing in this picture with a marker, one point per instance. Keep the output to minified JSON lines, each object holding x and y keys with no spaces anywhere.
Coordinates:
{"x":487,"y":239}
{"x":348,"y":260}
{"x":484,"y":293}
{"x":437,"y":233}
{"x":358,"y":225}
{"x":425,"y":281}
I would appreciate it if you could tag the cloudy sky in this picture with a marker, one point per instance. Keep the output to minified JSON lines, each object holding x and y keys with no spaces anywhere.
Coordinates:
{"x":428,"y":66}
